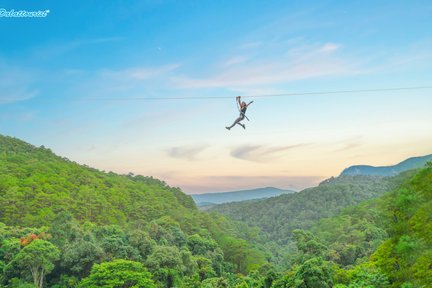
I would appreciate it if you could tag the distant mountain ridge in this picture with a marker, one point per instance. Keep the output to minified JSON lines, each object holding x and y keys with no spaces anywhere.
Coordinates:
{"x":279,"y":216}
{"x":235,"y":196}
{"x":408,"y":164}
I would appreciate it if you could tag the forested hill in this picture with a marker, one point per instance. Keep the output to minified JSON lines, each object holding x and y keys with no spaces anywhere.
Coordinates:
{"x":69,"y":219}
{"x":408,"y":164}
{"x":234,"y":196}
{"x":67,"y":225}
{"x":381,"y":243}
{"x":279,"y":216}
{"x":35,"y":185}
{"x":384,"y":242}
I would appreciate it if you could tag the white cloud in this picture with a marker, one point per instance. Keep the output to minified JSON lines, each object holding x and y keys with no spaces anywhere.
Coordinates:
{"x":274,"y":72}
{"x":115,"y":84}
{"x":247,"y":91}
{"x":15,"y":95}
{"x":262,"y":153}
{"x":234,"y":60}
{"x":301,"y":62}
{"x":16,"y":84}
{"x":416,"y":55}
{"x":250,"y":45}
{"x":60,"y":49}
{"x":140,"y":73}
{"x":185,"y":152}
{"x":329,"y":47}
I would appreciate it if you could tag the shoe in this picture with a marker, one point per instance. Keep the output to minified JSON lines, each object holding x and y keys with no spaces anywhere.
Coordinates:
{"x":244,"y":126}
{"x":228,"y":128}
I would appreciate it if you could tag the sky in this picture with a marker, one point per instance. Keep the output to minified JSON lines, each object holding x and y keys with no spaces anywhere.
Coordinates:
{"x":97,"y":82}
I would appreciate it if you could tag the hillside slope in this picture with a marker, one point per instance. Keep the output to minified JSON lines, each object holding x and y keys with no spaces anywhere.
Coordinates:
{"x":92,"y":217}
{"x":279,"y":216}
{"x":390,"y":236}
{"x":35,"y":185}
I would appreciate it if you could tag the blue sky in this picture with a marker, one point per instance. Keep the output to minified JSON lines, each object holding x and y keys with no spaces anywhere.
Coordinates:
{"x":68,"y":82}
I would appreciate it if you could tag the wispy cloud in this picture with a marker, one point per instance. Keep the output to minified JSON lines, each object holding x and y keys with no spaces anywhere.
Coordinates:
{"x":234,"y":61}
{"x":262,"y":153}
{"x":139,"y":73}
{"x":250,"y":45}
{"x":417,"y":54}
{"x":257,"y":91}
{"x":16,"y":84}
{"x":59,"y":49}
{"x":349,"y":144}
{"x":187,"y":153}
{"x":8,"y":95}
{"x":17,"y":117}
{"x":298,"y":63}
{"x":330,"y":47}
{"x":118,"y":84}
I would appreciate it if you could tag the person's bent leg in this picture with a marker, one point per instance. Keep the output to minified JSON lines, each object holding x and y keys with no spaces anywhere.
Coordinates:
{"x":229,"y":127}
{"x":237,"y":121}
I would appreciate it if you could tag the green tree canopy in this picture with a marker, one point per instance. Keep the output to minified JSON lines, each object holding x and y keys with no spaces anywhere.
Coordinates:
{"x":38,"y":259}
{"x":118,"y":274}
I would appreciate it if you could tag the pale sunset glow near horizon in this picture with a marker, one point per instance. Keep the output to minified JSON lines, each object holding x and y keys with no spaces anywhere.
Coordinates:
{"x":106,"y":84}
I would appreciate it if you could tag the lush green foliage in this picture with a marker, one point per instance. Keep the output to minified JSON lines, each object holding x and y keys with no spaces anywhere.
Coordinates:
{"x":406,"y":257}
{"x":35,"y":185}
{"x":36,"y":258}
{"x":96,"y":229}
{"x":118,"y":274}
{"x":382,"y":242}
{"x":279,"y":216}
{"x":90,"y":217}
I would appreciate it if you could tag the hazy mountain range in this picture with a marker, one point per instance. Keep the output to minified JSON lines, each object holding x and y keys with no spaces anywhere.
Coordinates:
{"x":408,"y":164}
{"x":208,"y":199}
{"x":211,"y":199}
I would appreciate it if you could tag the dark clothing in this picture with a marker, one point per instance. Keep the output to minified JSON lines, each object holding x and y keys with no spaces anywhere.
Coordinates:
{"x":240,"y":118}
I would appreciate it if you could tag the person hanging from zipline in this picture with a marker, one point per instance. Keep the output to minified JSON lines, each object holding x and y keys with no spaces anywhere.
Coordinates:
{"x":242,"y":106}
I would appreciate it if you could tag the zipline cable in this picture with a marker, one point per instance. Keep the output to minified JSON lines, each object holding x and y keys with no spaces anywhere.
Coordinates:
{"x":260,"y":96}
